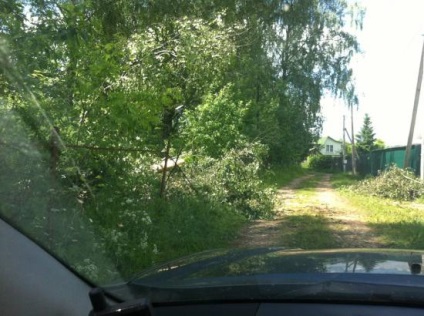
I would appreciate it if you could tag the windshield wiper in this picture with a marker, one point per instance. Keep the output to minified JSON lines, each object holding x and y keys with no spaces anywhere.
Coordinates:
{"x":364,"y":292}
{"x":141,"y":307}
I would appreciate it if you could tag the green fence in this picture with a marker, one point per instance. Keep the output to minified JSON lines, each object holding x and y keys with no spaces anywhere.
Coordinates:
{"x":380,"y":159}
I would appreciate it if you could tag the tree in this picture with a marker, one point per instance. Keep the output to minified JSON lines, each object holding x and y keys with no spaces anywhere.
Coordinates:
{"x":223,"y":83}
{"x":365,"y":139}
{"x":379,"y":144}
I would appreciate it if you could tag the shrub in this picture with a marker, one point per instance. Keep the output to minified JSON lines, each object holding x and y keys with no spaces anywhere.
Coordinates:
{"x":321,"y":162}
{"x":394,"y":183}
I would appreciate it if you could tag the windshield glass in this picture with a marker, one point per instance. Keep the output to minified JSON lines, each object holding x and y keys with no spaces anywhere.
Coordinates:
{"x":134,"y":133}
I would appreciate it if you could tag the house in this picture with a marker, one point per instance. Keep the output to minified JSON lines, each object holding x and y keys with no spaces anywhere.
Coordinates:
{"x":329,"y":146}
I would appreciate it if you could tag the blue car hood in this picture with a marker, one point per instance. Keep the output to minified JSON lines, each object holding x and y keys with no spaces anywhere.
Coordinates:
{"x":269,"y":272}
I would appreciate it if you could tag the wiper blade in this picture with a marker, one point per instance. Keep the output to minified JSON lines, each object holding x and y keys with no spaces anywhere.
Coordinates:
{"x":141,"y":307}
{"x":358,"y":291}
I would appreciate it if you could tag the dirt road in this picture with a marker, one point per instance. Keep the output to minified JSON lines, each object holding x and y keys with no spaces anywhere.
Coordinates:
{"x":307,"y":206}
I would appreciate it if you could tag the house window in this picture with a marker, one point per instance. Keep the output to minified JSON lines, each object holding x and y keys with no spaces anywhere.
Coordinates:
{"x":329,"y":148}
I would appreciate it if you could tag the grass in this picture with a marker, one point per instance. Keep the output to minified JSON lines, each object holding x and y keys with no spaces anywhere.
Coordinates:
{"x":306,"y":228}
{"x":308,"y":231}
{"x":339,"y":180}
{"x":312,"y":226}
{"x":192,"y":225}
{"x":398,"y":225}
{"x":395,"y":224}
{"x":137,"y":236}
{"x":279,"y":176}
{"x":307,"y":188}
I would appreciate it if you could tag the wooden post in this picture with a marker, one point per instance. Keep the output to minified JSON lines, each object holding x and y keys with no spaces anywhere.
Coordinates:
{"x":406,"y":162}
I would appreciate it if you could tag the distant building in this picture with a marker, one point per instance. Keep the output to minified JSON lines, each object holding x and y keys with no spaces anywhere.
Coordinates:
{"x":329,"y":146}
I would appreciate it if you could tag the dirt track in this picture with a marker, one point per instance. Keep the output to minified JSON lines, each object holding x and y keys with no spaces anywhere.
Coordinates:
{"x":345,"y":224}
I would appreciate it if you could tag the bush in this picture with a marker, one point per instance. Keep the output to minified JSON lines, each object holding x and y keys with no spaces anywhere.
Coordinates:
{"x":322,"y":162}
{"x":393,"y":183}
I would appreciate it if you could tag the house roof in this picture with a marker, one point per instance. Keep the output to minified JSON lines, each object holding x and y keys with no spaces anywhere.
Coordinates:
{"x":322,"y":140}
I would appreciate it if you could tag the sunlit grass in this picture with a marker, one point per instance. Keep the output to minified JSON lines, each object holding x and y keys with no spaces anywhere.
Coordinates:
{"x":307,"y":188}
{"x":339,"y":180}
{"x":398,"y":225}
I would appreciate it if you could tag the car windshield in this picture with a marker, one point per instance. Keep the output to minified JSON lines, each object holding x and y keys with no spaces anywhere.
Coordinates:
{"x":242,"y":136}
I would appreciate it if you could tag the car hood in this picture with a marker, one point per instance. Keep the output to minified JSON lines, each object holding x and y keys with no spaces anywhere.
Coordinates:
{"x":220,"y":269}
{"x":222,"y":263}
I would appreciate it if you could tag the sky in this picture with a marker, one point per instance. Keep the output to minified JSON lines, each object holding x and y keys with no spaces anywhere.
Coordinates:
{"x":386,"y":73}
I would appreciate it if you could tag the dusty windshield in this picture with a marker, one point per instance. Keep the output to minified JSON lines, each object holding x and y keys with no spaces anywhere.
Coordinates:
{"x":136,"y":132}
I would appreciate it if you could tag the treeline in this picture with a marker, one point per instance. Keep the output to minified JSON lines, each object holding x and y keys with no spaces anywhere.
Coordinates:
{"x":227,"y":86}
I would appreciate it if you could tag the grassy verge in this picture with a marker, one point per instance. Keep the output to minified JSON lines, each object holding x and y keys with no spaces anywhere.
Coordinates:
{"x":137,"y":236}
{"x":398,"y":225}
{"x":191,"y":225}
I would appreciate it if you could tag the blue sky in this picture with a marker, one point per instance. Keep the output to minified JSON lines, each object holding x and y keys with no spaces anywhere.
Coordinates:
{"x":385,"y":73}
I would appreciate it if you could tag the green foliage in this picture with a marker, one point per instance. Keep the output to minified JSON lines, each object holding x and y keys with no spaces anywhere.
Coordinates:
{"x":137,"y":232}
{"x":379,"y":144}
{"x":279,"y":176}
{"x":113,"y":75}
{"x":216,"y":126}
{"x":365,"y":139}
{"x":394,"y":183}
{"x":188,"y":224}
{"x":322,"y":163}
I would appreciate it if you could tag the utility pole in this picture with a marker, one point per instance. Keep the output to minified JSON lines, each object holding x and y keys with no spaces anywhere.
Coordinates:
{"x":422,"y":159}
{"x":406,"y":162}
{"x":344,"y":145}
{"x":353,"y":142}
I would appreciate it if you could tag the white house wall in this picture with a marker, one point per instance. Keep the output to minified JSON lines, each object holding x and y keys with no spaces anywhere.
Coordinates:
{"x":337,"y":148}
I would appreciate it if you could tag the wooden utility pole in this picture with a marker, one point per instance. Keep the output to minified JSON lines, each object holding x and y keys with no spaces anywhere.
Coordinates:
{"x":353,"y":141}
{"x":406,"y":162}
{"x":422,"y":159}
